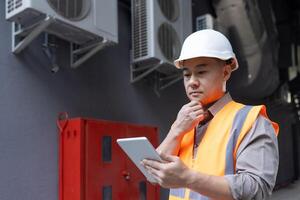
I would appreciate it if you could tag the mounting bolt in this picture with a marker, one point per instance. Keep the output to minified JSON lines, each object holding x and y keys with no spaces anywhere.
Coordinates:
{"x":126,"y":175}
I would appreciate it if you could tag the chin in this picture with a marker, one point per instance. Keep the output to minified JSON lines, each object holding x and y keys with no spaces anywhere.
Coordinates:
{"x":195,"y":98}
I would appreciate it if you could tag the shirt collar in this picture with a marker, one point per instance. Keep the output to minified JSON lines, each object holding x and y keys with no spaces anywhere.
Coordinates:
{"x":220,"y":103}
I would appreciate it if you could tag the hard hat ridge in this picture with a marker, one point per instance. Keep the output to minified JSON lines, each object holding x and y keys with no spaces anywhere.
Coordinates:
{"x":207,"y":43}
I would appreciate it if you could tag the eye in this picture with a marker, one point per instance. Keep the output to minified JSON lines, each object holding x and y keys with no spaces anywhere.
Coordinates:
{"x":186,"y":75}
{"x":201,"y":72}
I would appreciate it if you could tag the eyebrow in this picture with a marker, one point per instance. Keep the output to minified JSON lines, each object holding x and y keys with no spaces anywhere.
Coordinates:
{"x":201,"y":65}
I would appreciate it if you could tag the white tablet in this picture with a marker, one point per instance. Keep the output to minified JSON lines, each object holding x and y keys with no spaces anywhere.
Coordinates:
{"x":137,"y":149}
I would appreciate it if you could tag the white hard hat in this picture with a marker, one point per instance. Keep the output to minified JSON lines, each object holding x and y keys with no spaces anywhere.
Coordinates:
{"x":207,"y":43}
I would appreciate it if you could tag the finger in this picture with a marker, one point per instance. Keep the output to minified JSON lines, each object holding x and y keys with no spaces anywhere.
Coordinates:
{"x":152,"y":164}
{"x":156,"y":174}
{"x":152,"y":173}
{"x":168,"y":158}
{"x":195,"y":108}
{"x":199,"y":114}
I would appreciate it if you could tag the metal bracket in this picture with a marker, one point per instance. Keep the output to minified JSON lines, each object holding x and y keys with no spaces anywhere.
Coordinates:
{"x":162,"y":81}
{"x":167,"y":81}
{"x":81,"y":53}
{"x":158,"y":80}
{"x":22,"y":37}
{"x":140,"y":72}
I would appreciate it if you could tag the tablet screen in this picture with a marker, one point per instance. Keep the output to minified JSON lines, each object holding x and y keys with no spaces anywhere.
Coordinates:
{"x":137,"y":149}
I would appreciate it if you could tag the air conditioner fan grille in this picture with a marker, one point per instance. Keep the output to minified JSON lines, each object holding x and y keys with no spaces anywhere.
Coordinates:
{"x":168,"y":41}
{"x":170,"y":9}
{"x":71,"y":9}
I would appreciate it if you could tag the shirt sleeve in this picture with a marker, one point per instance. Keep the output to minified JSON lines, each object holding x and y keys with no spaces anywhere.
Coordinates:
{"x":257,"y":163}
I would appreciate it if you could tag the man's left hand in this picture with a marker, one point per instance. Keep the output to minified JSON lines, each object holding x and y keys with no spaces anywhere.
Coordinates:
{"x":172,"y":173}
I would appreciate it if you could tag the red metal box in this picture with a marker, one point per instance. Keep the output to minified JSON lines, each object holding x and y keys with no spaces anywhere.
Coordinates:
{"x":92,"y":166}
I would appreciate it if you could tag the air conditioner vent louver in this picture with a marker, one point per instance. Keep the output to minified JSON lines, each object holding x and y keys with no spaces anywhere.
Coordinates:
{"x":10,"y":6}
{"x":169,"y":42}
{"x":71,"y":9}
{"x":18,"y":3}
{"x":204,"y":22}
{"x":140,"y":28}
{"x":201,"y":23}
{"x":13,"y":4}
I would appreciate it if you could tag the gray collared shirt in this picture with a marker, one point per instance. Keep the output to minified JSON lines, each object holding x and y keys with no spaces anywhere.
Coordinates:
{"x":257,"y":158}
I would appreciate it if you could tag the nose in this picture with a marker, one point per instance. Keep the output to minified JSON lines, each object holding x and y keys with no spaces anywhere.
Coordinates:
{"x":194,"y":82}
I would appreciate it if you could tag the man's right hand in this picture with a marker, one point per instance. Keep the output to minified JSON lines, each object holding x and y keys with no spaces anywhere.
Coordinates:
{"x":188,"y":117}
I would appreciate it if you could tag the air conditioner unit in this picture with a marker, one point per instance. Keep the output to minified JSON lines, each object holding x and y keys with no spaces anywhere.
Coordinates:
{"x":78,"y":21}
{"x":159,"y":28}
{"x":205,"y":21}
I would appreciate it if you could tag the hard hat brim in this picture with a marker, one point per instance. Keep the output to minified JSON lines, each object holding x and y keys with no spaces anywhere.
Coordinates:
{"x":179,"y":62}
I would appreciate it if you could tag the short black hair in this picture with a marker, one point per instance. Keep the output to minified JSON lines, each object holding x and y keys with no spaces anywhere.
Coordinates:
{"x":229,"y":61}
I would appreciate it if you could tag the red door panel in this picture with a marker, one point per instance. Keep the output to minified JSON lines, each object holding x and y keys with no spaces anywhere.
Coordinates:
{"x":104,"y":165}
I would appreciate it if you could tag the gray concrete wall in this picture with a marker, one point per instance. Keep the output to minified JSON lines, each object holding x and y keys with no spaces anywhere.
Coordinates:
{"x":31,"y":98}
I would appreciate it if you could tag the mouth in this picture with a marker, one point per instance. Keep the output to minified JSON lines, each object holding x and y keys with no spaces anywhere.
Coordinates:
{"x":195,"y":93}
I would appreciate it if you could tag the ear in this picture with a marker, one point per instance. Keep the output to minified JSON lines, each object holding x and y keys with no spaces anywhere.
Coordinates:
{"x":227,"y":69}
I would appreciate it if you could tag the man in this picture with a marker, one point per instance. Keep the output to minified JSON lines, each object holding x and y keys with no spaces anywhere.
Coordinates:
{"x":216,"y":148}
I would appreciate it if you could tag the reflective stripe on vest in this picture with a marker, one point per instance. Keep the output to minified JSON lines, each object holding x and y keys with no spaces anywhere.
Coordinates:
{"x":178,"y":192}
{"x":197,"y":196}
{"x":241,"y":122}
{"x":235,"y":132}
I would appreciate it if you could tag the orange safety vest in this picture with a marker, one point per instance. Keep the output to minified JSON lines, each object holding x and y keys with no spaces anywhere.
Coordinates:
{"x":216,"y":154}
